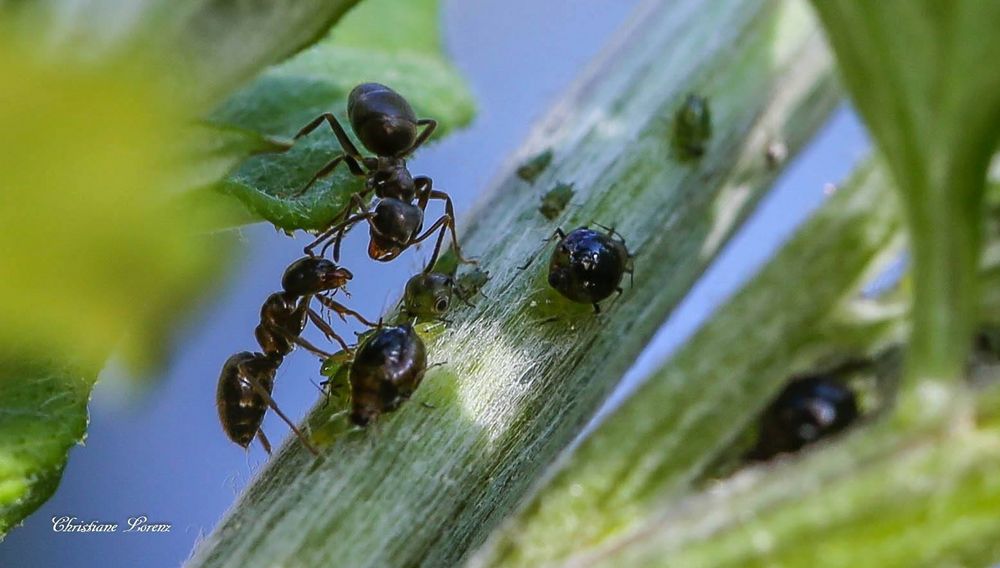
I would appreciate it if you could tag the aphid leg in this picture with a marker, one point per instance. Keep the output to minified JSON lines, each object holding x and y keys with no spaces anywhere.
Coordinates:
{"x":326,"y":329}
{"x":461,"y":296}
{"x":352,"y":165}
{"x":557,"y":233}
{"x":259,"y":388}
{"x":338,"y":131}
{"x":597,"y":308}
{"x":343,"y":310}
{"x":429,"y":124}
{"x":305,"y":344}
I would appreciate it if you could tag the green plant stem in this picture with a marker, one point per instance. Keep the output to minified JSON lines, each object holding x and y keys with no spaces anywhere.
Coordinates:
{"x":662,"y":440}
{"x":915,"y":71}
{"x":423,"y":486}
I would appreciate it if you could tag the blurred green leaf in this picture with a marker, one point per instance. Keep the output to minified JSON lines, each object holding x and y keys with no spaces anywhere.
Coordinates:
{"x":391,"y":41}
{"x":42,"y":414}
{"x":97,"y":253}
{"x":921,"y":73}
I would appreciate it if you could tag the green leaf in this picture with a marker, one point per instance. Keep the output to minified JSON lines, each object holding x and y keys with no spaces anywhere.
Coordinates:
{"x":922,"y":76}
{"x":389,"y":41}
{"x":43,"y":412}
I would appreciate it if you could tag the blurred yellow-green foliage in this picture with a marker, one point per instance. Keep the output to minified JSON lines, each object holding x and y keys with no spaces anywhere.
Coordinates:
{"x":97,"y":252}
{"x":92,"y":247}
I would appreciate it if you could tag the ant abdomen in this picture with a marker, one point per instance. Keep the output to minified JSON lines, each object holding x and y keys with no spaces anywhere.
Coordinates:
{"x":241,"y":406}
{"x":383,"y":120}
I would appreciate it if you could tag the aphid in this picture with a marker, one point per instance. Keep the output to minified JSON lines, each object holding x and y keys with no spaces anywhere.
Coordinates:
{"x":530,"y":170}
{"x":807,"y":410}
{"x":244,"y":395}
{"x":588,"y":266}
{"x":556,"y":200}
{"x":387,"y":126}
{"x":430,"y":294}
{"x":692,"y":127}
{"x":386,"y":370}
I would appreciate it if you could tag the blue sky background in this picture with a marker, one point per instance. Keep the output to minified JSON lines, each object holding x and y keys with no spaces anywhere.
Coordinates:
{"x":164,"y":456}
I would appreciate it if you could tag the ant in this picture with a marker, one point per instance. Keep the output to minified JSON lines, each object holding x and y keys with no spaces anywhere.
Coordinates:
{"x":387,"y":126}
{"x":247,"y":379}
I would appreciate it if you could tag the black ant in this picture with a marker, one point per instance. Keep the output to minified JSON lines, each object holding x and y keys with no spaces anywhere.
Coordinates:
{"x":588,"y":266}
{"x":387,"y":126}
{"x":244,"y":391}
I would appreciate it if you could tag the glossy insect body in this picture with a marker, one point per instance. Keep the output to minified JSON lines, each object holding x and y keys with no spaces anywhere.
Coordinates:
{"x":284,"y":314}
{"x":387,"y":126}
{"x":807,"y":410}
{"x":588,"y":266}
{"x":386,"y":370}
{"x":242,"y":406}
{"x":383,"y":120}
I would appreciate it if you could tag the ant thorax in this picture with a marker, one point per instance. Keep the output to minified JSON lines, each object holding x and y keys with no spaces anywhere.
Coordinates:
{"x":392,"y":178}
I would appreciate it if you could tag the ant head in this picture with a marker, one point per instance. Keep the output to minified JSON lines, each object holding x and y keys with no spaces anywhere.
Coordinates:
{"x":392,"y":227}
{"x":312,"y":275}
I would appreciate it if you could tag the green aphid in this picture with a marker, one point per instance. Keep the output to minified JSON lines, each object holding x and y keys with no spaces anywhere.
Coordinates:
{"x":556,"y":200}
{"x":692,"y":128}
{"x":530,"y":170}
{"x":471,"y":281}
{"x":428,"y":295}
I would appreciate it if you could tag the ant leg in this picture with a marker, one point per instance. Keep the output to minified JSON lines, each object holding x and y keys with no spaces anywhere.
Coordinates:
{"x":441,"y":224}
{"x":262,"y":392}
{"x":305,"y":344}
{"x":326,"y":329}
{"x":338,"y":130}
{"x":325,"y":235}
{"x":264,"y":441}
{"x":430,"y":124}
{"x":449,"y":210}
{"x":343,"y":310}
{"x":352,"y":165}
